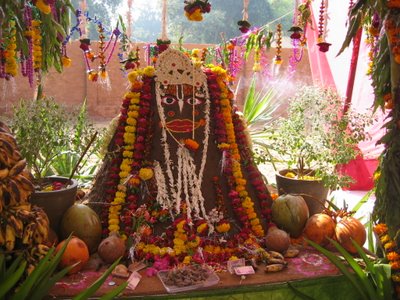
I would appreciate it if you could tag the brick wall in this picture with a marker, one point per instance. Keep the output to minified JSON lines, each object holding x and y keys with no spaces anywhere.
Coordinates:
{"x":71,"y":87}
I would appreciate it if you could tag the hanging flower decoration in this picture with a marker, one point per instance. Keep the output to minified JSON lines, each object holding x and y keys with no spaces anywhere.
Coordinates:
{"x":194,"y":9}
{"x":278,"y":57}
{"x":37,"y":45}
{"x":9,"y":54}
{"x":393,"y":38}
{"x":162,"y":45}
{"x":296,"y":32}
{"x":43,"y":6}
{"x":244,"y":25}
{"x":322,"y":44}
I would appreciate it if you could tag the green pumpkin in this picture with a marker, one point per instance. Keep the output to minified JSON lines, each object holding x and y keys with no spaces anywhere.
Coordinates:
{"x":83,"y":222}
{"x":290,"y":213}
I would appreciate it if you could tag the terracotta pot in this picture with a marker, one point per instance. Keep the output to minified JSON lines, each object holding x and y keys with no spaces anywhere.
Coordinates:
{"x":313,"y":191}
{"x":56,"y":203}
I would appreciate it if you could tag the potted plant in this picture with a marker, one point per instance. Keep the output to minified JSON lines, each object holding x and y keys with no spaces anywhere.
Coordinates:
{"x":53,"y":140}
{"x":311,"y":141}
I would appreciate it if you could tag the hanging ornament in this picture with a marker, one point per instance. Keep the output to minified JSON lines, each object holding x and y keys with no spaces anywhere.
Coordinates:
{"x":322,"y":44}
{"x":194,"y":9}
{"x":9,"y":55}
{"x":37,"y":45}
{"x":244,"y":25}
{"x":278,"y":57}
{"x":296,"y":37}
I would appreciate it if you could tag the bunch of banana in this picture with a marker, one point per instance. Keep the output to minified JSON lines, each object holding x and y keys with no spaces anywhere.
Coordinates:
{"x":22,"y":226}
{"x":274,"y":261}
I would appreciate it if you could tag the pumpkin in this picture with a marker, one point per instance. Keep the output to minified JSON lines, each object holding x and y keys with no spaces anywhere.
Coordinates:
{"x":319,"y":228}
{"x":76,"y":251}
{"x":277,"y":240}
{"x":84,"y":223}
{"x":347,"y":229}
{"x":111,"y":248}
{"x":290,"y":213}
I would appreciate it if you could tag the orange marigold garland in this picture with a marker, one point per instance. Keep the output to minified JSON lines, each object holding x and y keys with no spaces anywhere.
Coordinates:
{"x":391,"y":252}
{"x":10,"y":55}
{"x":37,"y":45}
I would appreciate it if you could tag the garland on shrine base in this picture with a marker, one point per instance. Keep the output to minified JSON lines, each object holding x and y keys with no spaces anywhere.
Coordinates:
{"x":131,"y":172}
{"x":391,"y":253}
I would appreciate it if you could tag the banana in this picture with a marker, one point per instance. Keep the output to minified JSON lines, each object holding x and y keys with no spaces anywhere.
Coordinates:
{"x":14,"y":192}
{"x":272,"y":261}
{"x":4,"y":127}
{"x":6,"y":159}
{"x":291,"y":253}
{"x":42,"y":230}
{"x":4,"y":173}
{"x":43,"y":249}
{"x":28,"y":175}
{"x":24,"y":214}
{"x":17,"y":168}
{"x":276,"y":254}
{"x":9,"y":138}
{"x":2,"y":237}
{"x":17,"y":224}
{"x":7,"y":147}
{"x":274,"y":268}
{"x":30,"y":269}
{"x":28,"y":233}
{"x":10,"y":237}
{"x":24,"y":183}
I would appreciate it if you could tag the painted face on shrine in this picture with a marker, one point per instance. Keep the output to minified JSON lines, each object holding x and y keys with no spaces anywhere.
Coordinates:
{"x":184,"y":108}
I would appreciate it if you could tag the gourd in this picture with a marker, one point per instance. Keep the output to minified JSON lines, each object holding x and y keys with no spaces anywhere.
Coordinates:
{"x":319,"y":228}
{"x":347,"y":229}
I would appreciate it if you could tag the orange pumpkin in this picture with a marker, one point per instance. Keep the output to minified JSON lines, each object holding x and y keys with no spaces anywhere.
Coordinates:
{"x":350,"y":228}
{"x":76,"y":251}
{"x":319,"y":228}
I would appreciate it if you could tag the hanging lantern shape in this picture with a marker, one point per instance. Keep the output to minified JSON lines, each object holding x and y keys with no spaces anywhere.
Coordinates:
{"x":296,"y":32}
{"x":194,"y":9}
{"x":244,"y":25}
{"x":322,"y":44}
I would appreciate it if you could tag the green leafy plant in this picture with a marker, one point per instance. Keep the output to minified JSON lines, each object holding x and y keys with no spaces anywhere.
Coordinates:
{"x":16,"y":285}
{"x":315,"y":136}
{"x":52,"y":139}
{"x":371,"y":279}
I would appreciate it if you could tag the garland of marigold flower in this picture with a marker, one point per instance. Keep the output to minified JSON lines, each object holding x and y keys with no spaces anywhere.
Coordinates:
{"x":37,"y":45}
{"x":237,"y":182}
{"x":11,"y":65}
{"x":129,"y":122}
{"x":391,"y":252}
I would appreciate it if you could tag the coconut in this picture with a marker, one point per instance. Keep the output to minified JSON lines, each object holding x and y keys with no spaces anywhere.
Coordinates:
{"x":277,"y":240}
{"x":111,"y":248}
{"x":84,"y":223}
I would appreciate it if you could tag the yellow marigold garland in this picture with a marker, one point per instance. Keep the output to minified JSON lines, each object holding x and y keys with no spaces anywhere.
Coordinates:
{"x":129,"y":137}
{"x":240,"y":182}
{"x":11,"y":65}
{"x":37,"y":45}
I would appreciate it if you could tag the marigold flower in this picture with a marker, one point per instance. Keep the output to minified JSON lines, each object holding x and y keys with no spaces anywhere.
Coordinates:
{"x":66,"y":61}
{"x":43,"y":7}
{"x":191,"y":144}
{"x":149,"y":71}
{"x":223,"y":227}
{"x":380,"y":229}
{"x":146,"y":173}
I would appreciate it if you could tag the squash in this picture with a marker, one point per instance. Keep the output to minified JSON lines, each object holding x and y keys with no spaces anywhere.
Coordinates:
{"x":347,"y":229}
{"x":75,"y":252}
{"x":290,"y":213}
{"x":319,"y":228}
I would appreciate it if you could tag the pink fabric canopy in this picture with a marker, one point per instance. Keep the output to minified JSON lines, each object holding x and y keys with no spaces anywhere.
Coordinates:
{"x":331,"y":70}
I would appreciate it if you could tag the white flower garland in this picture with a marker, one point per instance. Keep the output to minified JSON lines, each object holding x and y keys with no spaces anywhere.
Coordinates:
{"x":187,"y":180}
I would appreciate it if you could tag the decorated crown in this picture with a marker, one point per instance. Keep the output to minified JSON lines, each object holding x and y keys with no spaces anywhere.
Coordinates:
{"x":173,"y":67}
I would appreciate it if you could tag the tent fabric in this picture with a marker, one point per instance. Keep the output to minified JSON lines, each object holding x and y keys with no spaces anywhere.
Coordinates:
{"x":331,"y":70}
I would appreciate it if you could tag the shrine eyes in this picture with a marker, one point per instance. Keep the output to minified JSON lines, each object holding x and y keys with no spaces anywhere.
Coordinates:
{"x":170,"y":100}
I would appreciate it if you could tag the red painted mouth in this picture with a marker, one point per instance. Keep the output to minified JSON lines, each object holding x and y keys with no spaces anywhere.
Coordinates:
{"x":183,"y":125}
